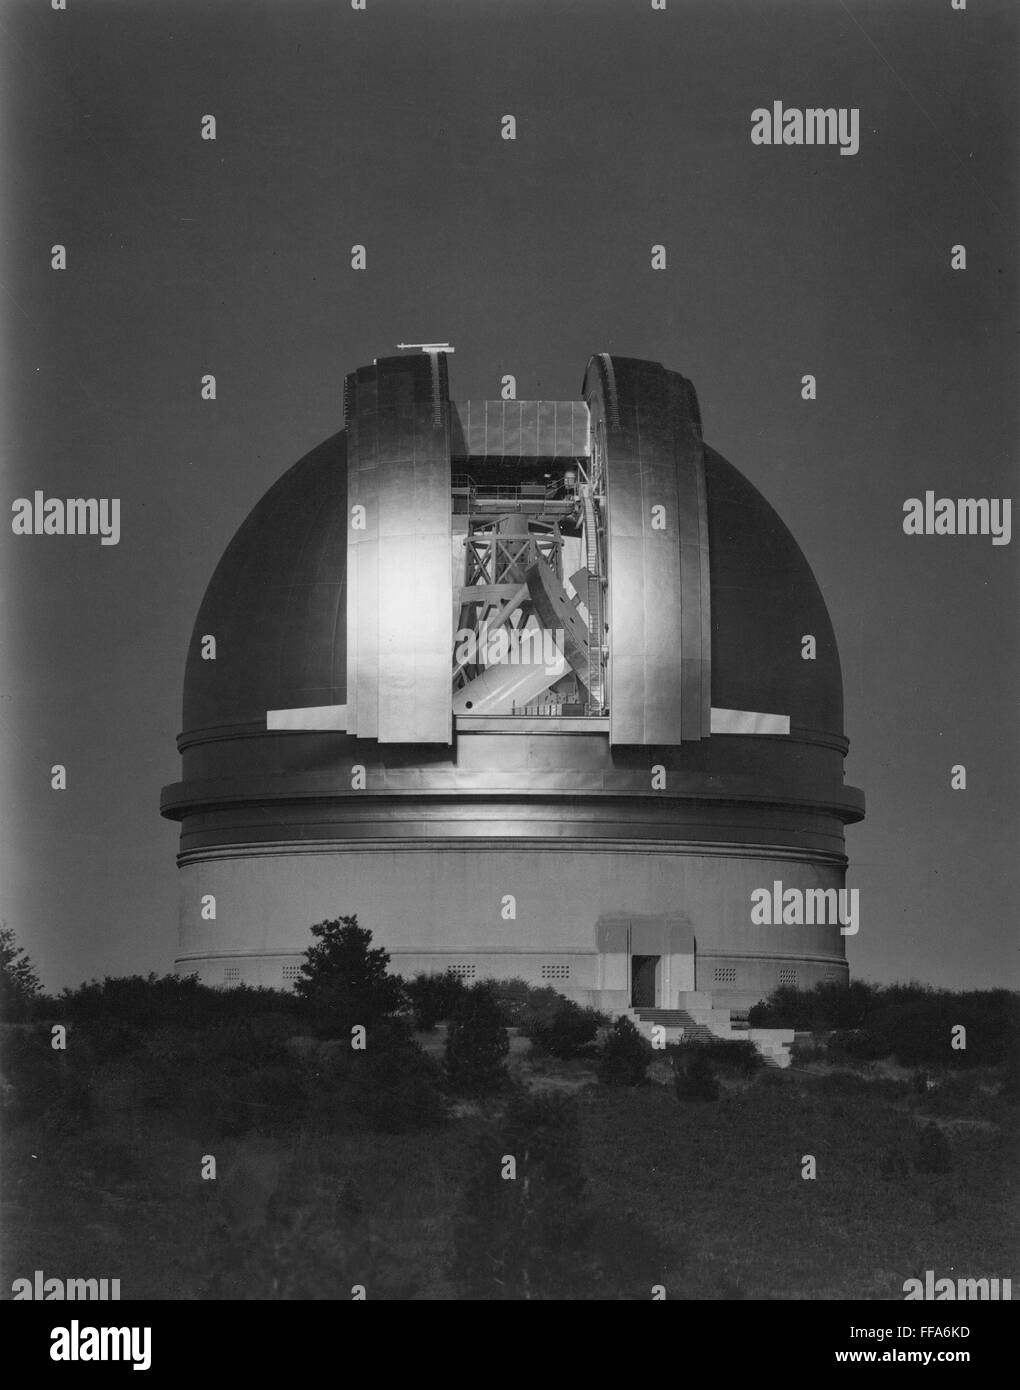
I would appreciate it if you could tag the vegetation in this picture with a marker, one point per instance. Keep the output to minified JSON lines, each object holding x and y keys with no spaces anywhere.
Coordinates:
{"x":346,"y":982}
{"x":738,"y":1056}
{"x":477,"y":1044}
{"x":625,"y":1055}
{"x":527,"y":1227}
{"x":143,"y":1001}
{"x":19,"y":984}
{"x":569,"y":1031}
{"x":525,"y":1006}
{"x":524,"y":1210}
{"x":693,"y":1077}
{"x":434,"y":998}
{"x":914,"y":1024}
{"x":339,"y":1165}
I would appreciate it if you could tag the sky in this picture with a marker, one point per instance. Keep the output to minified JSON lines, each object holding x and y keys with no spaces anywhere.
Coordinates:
{"x":382,"y":127}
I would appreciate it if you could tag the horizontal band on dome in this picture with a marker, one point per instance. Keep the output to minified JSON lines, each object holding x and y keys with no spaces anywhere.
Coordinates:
{"x":322,"y":718}
{"x":314,"y":717}
{"x":745,"y":721}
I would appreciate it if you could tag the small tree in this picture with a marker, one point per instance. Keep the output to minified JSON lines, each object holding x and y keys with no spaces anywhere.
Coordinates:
{"x":477,"y":1043}
{"x":625,"y":1056}
{"x":19,"y":984}
{"x":345,"y":981}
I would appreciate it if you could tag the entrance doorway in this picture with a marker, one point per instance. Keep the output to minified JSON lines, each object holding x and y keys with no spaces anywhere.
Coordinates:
{"x":642,"y":981}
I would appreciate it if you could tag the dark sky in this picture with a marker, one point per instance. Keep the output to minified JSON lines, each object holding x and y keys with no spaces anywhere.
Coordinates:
{"x":382,"y":127}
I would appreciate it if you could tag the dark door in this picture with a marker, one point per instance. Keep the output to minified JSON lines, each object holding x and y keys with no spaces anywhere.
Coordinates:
{"x":642,"y":981}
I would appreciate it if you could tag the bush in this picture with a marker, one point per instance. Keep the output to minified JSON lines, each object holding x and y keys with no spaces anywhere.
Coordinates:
{"x":400,"y":1089}
{"x":477,"y":1043}
{"x":811,"y":1048}
{"x":625,"y":1055}
{"x":913,"y":1023}
{"x":524,"y":1006}
{"x":569,"y":1032}
{"x":825,"y":1007}
{"x":741,"y":1055}
{"x":694,"y":1078}
{"x":145,"y":1001}
{"x":434,"y":998}
{"x":920,"y":1032}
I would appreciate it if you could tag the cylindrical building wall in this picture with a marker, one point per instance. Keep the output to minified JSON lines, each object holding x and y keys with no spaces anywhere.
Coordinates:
{"x":532,"y":912}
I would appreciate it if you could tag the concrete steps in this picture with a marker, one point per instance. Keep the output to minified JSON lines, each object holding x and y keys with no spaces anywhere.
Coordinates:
{"x":697,"y":1020}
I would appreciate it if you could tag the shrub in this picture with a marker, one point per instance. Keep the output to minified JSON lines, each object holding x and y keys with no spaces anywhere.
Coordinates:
{"x":825,"y":1007}
{"x":625,"y":1055}
{"x":389,"y":1086}
{"x":146,"y":1001}
{"x":525,"y":1006}
{"x":694,"y":1078}
{"x":400,"y":1089}
{"x":911,"y":1022}
{"x":740,"y":1055}
{"x":809,"y":1049}
{"x":569,"y":1031}
{"x":434,"y":997}
{"x":477,"y":1043}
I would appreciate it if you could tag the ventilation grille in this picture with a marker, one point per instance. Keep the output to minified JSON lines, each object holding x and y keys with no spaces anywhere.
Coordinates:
{"x":231,"y":974}
{"x":291,"y":973}
{"x":466,"y":972}
{"x":726,"y":974}
{"x":788,"y":977}
{"x":555,"y":972}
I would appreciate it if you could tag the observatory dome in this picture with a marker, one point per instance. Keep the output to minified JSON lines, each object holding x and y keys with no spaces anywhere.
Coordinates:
{"x":381,"y":731}
{"x":278,"y":597}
